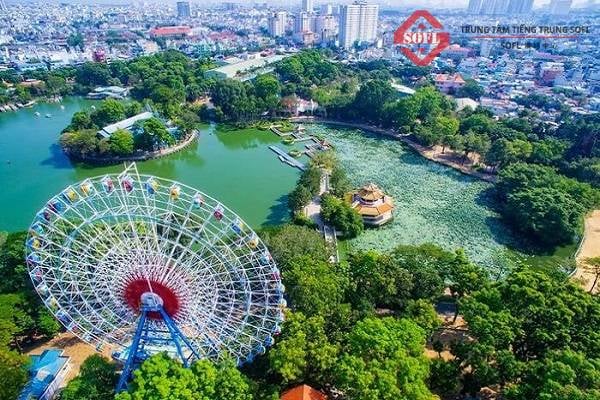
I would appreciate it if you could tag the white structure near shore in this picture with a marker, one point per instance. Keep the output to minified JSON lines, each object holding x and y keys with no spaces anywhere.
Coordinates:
{"x":124,"y":124}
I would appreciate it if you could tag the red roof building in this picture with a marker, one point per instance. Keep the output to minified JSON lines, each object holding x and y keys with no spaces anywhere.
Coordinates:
{"x":171,"y":31}
{"x":303,"y":392}
{"x":448,"y":83}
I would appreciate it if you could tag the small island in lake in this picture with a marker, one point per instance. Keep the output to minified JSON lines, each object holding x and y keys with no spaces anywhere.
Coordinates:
{"x":125,"y":131}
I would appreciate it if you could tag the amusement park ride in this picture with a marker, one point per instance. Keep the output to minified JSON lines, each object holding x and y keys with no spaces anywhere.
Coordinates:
{"x":146,"y":265}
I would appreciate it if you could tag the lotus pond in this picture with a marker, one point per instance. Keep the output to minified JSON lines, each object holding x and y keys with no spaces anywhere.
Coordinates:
{"x":434,"y":203}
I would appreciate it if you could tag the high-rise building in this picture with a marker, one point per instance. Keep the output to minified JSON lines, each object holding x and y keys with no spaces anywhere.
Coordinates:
{"x":183,"y":9}
{"x":474,"y":7}
{"x":325,"y":28}
{"x":358,"y":22}
{"x":519,"y":7}
{"x":326,"y":9}
{"x":560,"y":7}
{"x":277,"y":24}
{"x":308,"y":5}
{"x":496,"y":7}
{"x":304,"y":22}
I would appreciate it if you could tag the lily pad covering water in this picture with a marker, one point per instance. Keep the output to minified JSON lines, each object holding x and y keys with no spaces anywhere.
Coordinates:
{"x":434,"y":203}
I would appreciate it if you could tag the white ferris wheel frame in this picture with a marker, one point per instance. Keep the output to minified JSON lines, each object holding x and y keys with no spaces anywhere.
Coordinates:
{"x":91,"y":241}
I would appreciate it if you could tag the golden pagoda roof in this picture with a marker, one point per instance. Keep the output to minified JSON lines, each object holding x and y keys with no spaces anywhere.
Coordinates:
{"x":373,"y":211}
{"x":370,"y":192}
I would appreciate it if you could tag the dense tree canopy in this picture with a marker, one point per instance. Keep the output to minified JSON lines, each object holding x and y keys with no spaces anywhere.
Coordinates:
{"x":518,"y":324}
{"x":384,"y":360}
{"x":545,"y":205}
{"x":96,"y":381}
{"x":162,"y":378}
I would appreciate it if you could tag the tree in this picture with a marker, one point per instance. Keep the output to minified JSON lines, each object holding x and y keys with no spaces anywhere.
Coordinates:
{"x":299,"y":198}
{"x":563,"y":375}
{"x":79,"y":144}
{"x":92,"y":74}
{"x":161,"y":377}
{"x":384,"y":360}
{"x":154,"y":134}
{"x":370,"y":99}
{"x":80,"y":120}
{"x":430,"y":103}
{"x":291,"y":241}
{"x":110,"y":111}
{"x":13,"y":273}
{"x":592,"y":265}
{"x":548,"y":151}
{"x":341,"y":215}
{"x":303,"y":353}
{"x":267,"y":88}
{"x":465,"y":277}
{"x":475,"y":143}
{"x":422,"y":313}
{"x":428,"y":264}
{"x":546,"y":214}
{"x":132,"y":108}
{"x":13,"y":373}
{"x":470,"y":89}
{"x":56,"y":84}
{"x":121,"y":142}
{"x":311,"y":179}
{"x":444,"y":379}
{"x":504,"y":152}
{"x":520,"y":321}
{"x":76,"y":40}
{"x":401,"y":113}
{"x":96,"y":381}
{"x":231,"y":96}
{"x":314,"y":287}
{"x":339,"y":182}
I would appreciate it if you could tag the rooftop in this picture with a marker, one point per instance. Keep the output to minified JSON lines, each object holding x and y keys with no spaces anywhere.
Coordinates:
{"x":233,"y":69}
{"x":371,"y":192}
{"x":43,"y":371}
{"x":303,"y":392}
{"x":124,"y":124}
{"x":170,"y":30}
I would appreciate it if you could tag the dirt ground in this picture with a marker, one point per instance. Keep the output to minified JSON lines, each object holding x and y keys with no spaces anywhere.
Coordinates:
{"x":589,"y":248}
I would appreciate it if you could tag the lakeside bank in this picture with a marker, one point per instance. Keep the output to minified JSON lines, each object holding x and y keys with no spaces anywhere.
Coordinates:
{"x":147,"y":155}
{"x":426,"y":152}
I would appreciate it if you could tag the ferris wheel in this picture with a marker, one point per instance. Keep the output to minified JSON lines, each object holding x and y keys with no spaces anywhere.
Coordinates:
{"x":146,"y":265}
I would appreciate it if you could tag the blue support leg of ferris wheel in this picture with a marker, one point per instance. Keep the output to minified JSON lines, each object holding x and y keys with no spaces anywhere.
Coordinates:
{"x":133,"y":351}
{"x":176,"y":332}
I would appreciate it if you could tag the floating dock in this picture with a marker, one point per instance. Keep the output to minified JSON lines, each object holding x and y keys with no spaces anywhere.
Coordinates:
{"x":286,"y":158}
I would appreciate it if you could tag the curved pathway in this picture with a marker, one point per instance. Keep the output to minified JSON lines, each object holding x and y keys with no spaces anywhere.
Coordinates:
{"x":590,"y":247}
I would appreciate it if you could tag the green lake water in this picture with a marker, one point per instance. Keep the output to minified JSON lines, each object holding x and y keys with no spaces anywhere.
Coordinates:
{"x":235,"y":168}
{"x":434,"y":203}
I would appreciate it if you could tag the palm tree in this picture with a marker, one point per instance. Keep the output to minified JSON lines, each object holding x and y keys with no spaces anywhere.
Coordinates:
{"x":592,"y":265}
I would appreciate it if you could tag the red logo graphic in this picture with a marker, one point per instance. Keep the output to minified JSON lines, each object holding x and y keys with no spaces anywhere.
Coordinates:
{"x":421,"y":38}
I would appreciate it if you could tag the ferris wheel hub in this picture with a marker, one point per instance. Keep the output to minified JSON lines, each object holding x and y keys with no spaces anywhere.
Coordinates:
{"x":151,"y":301}
{"x":135,"y":289}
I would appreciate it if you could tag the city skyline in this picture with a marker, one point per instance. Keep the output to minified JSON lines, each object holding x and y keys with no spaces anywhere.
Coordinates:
{"x":400,"y":4}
